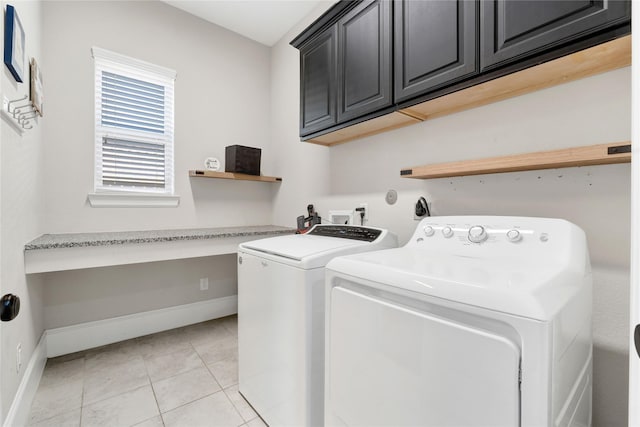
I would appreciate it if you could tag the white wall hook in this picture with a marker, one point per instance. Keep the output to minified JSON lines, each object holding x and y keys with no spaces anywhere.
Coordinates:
{"x":19,"y":113}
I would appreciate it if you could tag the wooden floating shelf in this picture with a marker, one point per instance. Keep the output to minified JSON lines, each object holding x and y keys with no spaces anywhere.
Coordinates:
{"x":231,"y":175}
{"x":602,"y":154}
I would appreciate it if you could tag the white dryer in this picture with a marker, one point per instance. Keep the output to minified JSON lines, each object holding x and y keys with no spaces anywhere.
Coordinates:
{"x":476,"y":321}
{"x":281,"y":318}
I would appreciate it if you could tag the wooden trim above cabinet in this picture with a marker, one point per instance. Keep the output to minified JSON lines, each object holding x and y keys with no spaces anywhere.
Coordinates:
{"x":588,"y":62}
{"x":595,"y":60}
{"x":393,"y":120}
{"x":602,"y":154}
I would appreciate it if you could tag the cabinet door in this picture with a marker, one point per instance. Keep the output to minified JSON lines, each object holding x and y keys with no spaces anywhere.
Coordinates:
{"x":318,"y":89}
{"x":513,"y":29}
{"x":435,"y":44}
{"x":364,"y":59}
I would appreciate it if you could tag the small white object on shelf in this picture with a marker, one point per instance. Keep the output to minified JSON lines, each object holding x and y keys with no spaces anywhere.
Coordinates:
{"x":212,"y":164}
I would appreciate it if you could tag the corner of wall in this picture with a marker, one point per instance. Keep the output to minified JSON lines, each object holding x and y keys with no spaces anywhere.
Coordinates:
{"x":21,"y":193}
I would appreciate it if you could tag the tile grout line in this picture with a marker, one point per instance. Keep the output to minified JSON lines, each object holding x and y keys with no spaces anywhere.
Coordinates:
{"x":155,"y":397}
{"x":224,"y":331}
{"x":189,"y":403}
{"x":153,"y":390}
{"x":42,"y":420}
{"x":117,"y":394}
{"x":217,"y":382}
{"x":222,"y":389}
{"x":200,"y":398}
{"x":84,"y":372}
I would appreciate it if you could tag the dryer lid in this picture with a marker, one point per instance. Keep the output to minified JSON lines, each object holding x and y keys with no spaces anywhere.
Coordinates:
{"x":520,"y":287}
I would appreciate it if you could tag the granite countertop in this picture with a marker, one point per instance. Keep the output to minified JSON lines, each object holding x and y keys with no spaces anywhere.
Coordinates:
{"x":74,"y":240}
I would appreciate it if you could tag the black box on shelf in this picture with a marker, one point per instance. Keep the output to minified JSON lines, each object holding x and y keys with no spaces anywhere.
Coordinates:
{"x":241,"y":159}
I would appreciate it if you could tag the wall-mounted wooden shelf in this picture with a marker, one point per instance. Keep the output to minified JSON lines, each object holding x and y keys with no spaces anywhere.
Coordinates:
{"x":231,"y":175}
{"x":602,"y":154}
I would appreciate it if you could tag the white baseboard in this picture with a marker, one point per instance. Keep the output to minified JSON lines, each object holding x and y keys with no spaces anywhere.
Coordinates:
{"x":19,"y":411}
{"x":70,"y":339}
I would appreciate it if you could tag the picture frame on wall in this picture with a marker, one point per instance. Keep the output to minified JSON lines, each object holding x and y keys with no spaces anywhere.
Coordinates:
{"x":36,"y":90}
{"x":14,"y":52}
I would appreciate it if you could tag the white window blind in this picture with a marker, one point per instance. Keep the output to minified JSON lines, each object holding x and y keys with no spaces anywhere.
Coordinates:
{"x":133,"y":125}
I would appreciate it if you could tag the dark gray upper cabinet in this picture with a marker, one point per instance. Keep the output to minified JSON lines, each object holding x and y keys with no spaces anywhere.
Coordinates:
{"x":318,"y":73}
{"x":435,"y":44}
{"x":364,"y":59}
{"x":514,"y":29}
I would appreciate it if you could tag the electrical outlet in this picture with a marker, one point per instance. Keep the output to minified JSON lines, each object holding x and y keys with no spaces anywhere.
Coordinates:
{"x":342,"y":217}
{"x":204,"y":283}
{"x":365,"y":220}
{"x":18,"y":357}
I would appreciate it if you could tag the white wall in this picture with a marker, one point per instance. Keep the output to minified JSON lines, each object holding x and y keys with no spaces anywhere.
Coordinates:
{"x":221,"y":98}
{"x":231,"y":90}
{"x":590,"y":111}
{"x":634,"y":294}
{"x":304,"y":168}
{"x":78,"y":296}
{"x":21,"y":165}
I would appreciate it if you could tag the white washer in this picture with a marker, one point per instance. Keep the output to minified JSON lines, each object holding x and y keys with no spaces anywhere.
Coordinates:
{"x":477,"y":321}
{"x":281,"y":318}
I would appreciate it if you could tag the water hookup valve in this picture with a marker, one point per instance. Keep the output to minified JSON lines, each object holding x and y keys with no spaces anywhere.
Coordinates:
{"x":304,"y":224}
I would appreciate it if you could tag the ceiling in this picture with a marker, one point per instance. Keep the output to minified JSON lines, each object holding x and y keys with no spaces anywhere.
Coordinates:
{"x":264,"y":21}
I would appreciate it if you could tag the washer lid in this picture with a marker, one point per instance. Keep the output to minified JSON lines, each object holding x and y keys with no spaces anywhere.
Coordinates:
{"x":522,"y":287}
{"x":322,"y":243}
{"x":299,"y":246}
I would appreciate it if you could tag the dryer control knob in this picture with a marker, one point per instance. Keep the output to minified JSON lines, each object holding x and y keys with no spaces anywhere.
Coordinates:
{"x":514,"y":235}
{"x":447,"y":232}
{"x":429,"y":231}
{"x":477,"y":234}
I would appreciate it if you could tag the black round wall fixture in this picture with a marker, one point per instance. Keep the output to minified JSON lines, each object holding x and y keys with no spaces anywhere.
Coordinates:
{"x":9,"y":307}
{"x":636,"y":338}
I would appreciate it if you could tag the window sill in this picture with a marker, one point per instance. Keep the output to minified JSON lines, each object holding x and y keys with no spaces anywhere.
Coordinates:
{"x":128,"y":200}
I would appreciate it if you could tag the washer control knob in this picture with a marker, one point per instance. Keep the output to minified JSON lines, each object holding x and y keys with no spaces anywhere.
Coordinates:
{"x":447,"y":232}
{"x":477,"y":234}
{"x":429,"y":231}
{"x":514,"y":235}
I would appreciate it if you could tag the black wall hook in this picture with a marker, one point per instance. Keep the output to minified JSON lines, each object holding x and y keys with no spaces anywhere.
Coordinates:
{"x":422,"y":208}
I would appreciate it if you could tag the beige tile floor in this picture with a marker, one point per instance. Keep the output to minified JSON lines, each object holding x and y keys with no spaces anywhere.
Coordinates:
{"x":185,"y":377}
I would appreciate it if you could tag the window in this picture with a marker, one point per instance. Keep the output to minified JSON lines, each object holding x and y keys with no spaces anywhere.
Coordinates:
{"x":133,"y":132}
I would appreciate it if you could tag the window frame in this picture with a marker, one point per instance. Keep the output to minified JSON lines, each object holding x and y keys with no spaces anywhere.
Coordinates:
{"x":131,"y":196}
